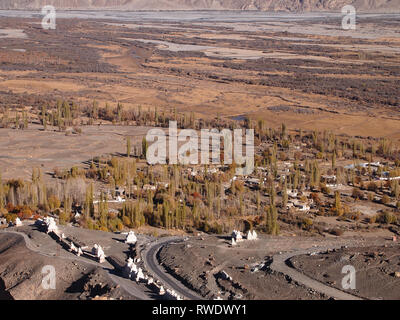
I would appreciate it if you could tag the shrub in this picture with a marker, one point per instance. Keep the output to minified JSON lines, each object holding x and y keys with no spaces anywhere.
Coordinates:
{"x":385,"y":199}
{"x":372,"y":219}
{"x":372,"y":186}
{"x":54,"y":202}
{"x":316,"y":198}
{"x":353,"y":215}
{"x":336,"y":232}
{"x":357,"y":193}
{"x":386,"y":218}
{"x":64,"y":217}
{"x":307,"y":224}
{"x":10,"y":217}
{"x":324,"y":188}
{"x":126,"y":221}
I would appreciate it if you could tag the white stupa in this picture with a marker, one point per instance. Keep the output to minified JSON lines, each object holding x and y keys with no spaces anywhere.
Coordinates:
{"x":251,"y":235}
{"x":139,"y":275}
{"x":130,"y":269}
{"x":51,"y":225}
{"x":73,"y":248}
{"x":18,"y":222}
{"x":172,"y":294}
{"x":237,"y":235}
{"x":131,"y":238}
{"x":162,"y":291}
{"x":99,"y":253}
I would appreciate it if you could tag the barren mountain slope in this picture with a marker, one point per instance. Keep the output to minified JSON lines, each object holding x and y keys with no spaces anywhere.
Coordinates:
{"x":265,"y":5}
{"x":21,"y":273}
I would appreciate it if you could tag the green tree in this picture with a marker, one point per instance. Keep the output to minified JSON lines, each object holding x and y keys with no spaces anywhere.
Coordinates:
{"x":271,"y":224}
{"x":333,"y":160}
{"x":338,"y":204}
{"x":284,"y":195}
{"x":145,"y":146}
{"x":128,"y":147}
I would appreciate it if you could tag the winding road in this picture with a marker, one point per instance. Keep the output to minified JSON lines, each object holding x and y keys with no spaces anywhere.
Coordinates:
{"x":150,"y":260}
{"x":149,"y":256}
{"x":279,"y":264}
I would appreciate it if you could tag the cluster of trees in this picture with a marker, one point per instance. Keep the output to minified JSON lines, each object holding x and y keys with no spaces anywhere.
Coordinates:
{"x":178,"y":200}
{"x":63,"y":115}
{"x":17,"y":119}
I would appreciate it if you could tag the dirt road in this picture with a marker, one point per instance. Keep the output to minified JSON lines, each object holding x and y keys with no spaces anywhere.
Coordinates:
{"x":279,"y":264}
{"x":150,"y":259}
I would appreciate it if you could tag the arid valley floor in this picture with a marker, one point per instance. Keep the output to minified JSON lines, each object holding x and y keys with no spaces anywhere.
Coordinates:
{"x":306,"y":72}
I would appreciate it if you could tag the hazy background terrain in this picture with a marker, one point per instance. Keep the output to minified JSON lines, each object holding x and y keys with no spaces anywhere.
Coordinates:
{"x":263,"y":5}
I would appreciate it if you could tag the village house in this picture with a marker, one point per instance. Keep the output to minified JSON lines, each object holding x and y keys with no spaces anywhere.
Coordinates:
{"x":119,"y":199}
{"x":253,"y":182}
{"x":292,"y":193}
{"x":299,"y":205}
{"x":150,"y":187}
{"x":303,"y":207}
{"x":119,"y":191}
{"x":386,"y":177}
{"x":162,"y":184}
{"x":289,"y":205}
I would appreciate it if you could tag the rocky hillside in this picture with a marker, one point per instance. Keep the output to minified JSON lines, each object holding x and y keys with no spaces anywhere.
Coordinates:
{"x":263,"y":5}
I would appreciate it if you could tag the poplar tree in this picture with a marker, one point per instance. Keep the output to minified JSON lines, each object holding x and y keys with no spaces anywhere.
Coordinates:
{"x":145,"y":146}
{"x":89,"y":206}
{"x":284,"y":195}
{"x":333,"y":160}
{"x":44,"y":117}
{"x":338,"y":204}
{"x":128,"y":147}
{"x":271,"y":224}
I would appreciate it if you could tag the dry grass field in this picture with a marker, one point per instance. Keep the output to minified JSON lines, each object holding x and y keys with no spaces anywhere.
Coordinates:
{"x":33,"y":148}
{"x":310,"y":74}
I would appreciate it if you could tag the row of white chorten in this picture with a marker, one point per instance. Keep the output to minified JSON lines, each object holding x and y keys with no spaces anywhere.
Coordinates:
{"x":132,"y":271}
{"x":237,"y":236}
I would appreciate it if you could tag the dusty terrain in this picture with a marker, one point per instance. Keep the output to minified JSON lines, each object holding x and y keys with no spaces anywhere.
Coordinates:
{"x":21,"y":275}
{"x":308,"y":73}
{"x":376,"y":269}
{"x":33,"y":148}
{"x":76,"y":277}
{"x":265,"y":5}
{"x":200,"y":261}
